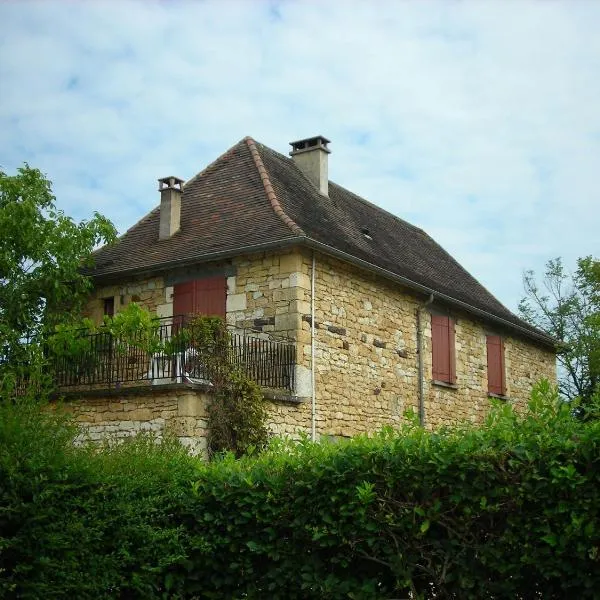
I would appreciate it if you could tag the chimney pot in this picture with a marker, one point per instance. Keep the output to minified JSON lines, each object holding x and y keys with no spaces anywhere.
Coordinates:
{"x":311,"y":157}
{"x":171,"y":190}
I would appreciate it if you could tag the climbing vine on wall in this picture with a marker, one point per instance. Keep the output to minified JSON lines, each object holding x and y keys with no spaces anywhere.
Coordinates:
{"x":237,"y":413}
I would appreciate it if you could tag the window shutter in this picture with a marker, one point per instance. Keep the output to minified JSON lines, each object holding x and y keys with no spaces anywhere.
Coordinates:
{"x":183,"y":298}
{"x":210,"y":296}
{"x":443,"y":355}
{"x":495,"y":364}
{"x":201,"y":297}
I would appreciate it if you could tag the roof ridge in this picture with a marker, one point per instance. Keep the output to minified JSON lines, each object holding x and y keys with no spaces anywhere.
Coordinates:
{"x":211,"y":167}
{"x":358,"y":197}
{"x":226,"y":155}
{"x":264,"y":176}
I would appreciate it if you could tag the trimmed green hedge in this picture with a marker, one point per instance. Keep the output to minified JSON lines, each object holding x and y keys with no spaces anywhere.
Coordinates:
{"x":508,"y":510}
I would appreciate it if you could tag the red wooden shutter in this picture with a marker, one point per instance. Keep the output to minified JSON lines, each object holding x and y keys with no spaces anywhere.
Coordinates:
{"x":210,"y":296}
{"x":442,"y":343}
{"x":183,"y":298}
{"x":201,"y":297}
{"x":495,"y":365}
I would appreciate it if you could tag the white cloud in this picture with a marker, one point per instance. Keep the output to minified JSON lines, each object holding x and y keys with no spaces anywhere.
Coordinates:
{"x":479,"y":122}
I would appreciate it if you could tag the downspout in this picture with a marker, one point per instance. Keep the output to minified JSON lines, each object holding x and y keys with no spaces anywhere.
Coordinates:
{"x":420,"y":354}
{"x":313,"y":433}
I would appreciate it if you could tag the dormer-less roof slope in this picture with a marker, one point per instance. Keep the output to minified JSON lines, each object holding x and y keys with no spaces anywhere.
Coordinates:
{"x":252,"y":198}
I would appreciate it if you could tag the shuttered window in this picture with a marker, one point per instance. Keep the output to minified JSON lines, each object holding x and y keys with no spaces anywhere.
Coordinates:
{"x":495,"y":365}
{"x":201,"y":297}
{"x":442,"y":346}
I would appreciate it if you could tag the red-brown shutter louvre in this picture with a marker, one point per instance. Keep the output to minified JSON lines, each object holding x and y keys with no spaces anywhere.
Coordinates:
{"x":452,"y":353}
{"x":210,"y":296}
{"x":442,"y":342}
{"x":201,"y":297}
{"x":183,"y":298}
{"x":495,"y":364}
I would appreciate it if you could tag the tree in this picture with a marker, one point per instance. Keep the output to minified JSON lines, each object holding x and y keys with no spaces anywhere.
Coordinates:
{"x":567,"y":306}
{"x":42,"y":252}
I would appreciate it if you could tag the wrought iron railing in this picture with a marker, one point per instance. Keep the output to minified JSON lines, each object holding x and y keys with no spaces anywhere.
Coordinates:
{"x":174,"y":354}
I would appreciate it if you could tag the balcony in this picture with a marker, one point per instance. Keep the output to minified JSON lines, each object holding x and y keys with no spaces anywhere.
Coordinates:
{"x":176,"y":353}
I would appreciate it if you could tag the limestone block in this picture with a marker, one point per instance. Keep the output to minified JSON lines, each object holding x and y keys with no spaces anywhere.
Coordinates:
{"x":286,"y":294}
{"x":302,"y":377}
{"x":236,"y":302}
{"x":164,"y":310}
{"x":290,"y":263}
{"x":299,"y":279}
{"x":300,"y":306}
{"x":141,"y":414}
{"x":191,"y":405}
{"x":182,"y":426}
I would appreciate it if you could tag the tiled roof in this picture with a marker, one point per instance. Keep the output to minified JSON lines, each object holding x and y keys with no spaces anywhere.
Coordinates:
{"x":253,"y":197}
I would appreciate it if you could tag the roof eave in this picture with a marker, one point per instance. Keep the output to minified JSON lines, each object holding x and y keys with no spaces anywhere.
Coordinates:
{"x":409,"y":283}
{"x":107,"y":276}
{"x":313,"y":244}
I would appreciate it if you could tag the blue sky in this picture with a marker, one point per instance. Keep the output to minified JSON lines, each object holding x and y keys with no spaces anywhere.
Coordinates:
{"x":477,"y":121}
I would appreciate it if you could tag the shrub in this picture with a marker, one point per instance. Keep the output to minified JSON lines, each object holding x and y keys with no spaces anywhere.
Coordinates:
{"x":82,"y":523}
{"x":506,"y":510}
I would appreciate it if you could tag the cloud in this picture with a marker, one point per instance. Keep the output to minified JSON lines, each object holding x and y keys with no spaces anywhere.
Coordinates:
{"x":479,"y":122}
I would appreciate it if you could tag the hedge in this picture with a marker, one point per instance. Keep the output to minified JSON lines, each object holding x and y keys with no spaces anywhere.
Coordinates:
{"x":506,"y":510}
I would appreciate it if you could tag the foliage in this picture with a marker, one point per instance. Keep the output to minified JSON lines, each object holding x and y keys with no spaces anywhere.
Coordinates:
{"x":506,"y":510}
{"x":80,"y":346}
{"x":134,"y":326}
{"x":237,"y":412}
{"x":81,"y":522}
{"x":568,"y":308}
{"x":237,"y":417}
{"x":41,"y":254}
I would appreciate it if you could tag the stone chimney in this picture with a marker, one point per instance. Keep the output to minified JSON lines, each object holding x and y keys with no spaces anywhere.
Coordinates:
{"x":310,"y":155}
{"x":171,"y":190}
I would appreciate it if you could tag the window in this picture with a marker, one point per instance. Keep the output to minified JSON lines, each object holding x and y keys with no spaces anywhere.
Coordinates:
{"x":442,"y":347}
{"x":109,"y":306}
{"x":201,"y":297}
{"x":495,"y":365}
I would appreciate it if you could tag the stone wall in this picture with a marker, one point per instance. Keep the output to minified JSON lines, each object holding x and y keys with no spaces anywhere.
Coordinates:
{"x":181,"y":412}
{"x":147,"y":292}
{"x":367,"y":360}
{"x":366,"y":342}
{"x":265,"y":292}
{"x":525,"y":364}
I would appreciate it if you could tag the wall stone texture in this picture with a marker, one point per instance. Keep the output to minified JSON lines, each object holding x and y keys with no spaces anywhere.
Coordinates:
{"x":366,"y":359}
{"x":181,"y":412}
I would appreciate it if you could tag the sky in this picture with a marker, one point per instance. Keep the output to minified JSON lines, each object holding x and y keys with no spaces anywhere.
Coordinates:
{"x":476,"y":121}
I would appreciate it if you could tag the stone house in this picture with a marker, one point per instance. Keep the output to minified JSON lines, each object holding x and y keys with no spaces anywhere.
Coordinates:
{"x":379,"y":317}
